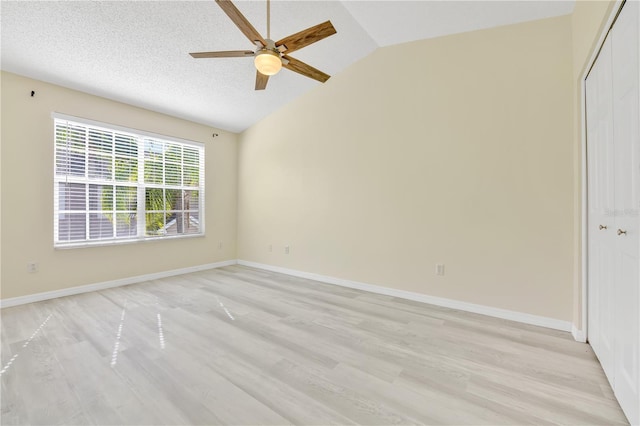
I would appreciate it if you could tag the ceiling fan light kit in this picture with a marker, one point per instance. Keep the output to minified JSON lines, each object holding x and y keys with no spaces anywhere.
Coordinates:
{"x":268,"y":60}
{"x":271,"y":56}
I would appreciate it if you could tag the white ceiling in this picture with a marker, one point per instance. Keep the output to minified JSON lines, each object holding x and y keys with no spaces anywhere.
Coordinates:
{"x":137,"y":51}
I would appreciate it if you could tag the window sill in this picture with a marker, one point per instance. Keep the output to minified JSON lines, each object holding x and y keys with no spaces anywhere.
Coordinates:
{"x":108,"y":243}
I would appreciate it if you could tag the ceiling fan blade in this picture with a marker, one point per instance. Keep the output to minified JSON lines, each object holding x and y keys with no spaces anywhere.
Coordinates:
{"x":307,"y":37}
{"x":304,"y":69}
{"x":261,"y":81}
{"x":241,"y":22}
{"x":224,"y":54}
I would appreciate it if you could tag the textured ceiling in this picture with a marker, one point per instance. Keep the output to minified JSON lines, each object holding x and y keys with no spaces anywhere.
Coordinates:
{"x":137,"y":51}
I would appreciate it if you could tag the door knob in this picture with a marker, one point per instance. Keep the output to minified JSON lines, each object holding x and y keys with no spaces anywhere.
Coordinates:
{"x":620,"y":232}
{"x":601,"y":227}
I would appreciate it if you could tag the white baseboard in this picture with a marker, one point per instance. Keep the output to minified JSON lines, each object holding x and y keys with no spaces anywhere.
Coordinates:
{"x":521,"y":317}
{"x":578,"y":335}
{"x":21,"y":300}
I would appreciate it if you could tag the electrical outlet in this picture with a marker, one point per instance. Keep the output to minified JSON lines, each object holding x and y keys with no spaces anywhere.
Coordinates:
{"x":220,"y":245}
{"x":439,"y":268}
{"x":32,"y":267}
{"x":286,"y":249}
{"x":270,"y":248}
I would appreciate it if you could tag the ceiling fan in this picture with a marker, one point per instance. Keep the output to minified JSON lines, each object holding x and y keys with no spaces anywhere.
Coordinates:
{"x":269,"y":56}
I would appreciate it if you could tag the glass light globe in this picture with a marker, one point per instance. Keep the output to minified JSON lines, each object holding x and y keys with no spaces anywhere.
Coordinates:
{"x":268,"y":62}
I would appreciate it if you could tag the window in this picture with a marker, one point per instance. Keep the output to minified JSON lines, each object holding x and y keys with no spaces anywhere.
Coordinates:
{"x":119,"y":185}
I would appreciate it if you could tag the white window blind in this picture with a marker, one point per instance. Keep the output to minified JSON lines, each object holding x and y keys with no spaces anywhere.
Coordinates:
{"x":113,"y":184}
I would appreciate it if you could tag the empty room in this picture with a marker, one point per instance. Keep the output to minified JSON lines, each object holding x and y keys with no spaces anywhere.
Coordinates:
{"x":251,"y":212}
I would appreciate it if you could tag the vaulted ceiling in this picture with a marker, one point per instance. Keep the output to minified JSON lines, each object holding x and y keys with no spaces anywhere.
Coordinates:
{"x":137,"y":51}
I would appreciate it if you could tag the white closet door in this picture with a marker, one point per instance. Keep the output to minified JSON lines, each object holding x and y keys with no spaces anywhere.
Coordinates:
{"x":613,"y":153}
{"x":625,"y":37}
{"x":601,"y":207}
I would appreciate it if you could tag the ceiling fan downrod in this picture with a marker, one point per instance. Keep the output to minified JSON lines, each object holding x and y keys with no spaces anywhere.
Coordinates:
{"x":269,"y":19}
{"x":268,"y":60}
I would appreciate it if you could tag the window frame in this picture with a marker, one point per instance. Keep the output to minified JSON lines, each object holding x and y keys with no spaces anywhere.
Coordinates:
{"x":141,"y":138}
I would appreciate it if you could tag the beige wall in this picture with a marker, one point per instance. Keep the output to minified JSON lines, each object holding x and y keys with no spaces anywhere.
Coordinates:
{"x":27,"y":193}
{"x":454,"y":150}
{"x":587,"y":23}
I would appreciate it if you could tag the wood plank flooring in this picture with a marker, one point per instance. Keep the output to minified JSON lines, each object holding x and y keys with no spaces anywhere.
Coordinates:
{"x":238,"y":345}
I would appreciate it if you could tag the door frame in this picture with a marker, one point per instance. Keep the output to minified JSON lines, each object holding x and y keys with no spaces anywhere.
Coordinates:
{"x":582,"y":334}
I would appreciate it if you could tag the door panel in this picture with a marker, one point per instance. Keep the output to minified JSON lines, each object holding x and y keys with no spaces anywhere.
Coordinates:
{"x":627,"y":352}
{"x":601,"y":209}
{"x":626,"y":108}
{"x":607,"y":309}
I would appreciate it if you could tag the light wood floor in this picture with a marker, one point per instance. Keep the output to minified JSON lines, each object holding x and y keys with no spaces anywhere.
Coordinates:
{"x":243,"y":346}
